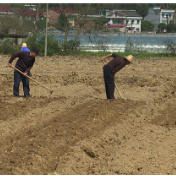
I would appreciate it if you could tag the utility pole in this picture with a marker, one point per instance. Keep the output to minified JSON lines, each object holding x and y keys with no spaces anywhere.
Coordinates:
{"x":46,"y":30}
{"x":126,"y":25}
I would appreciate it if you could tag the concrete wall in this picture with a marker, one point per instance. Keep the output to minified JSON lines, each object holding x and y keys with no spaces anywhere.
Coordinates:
{"x":154,"y":17}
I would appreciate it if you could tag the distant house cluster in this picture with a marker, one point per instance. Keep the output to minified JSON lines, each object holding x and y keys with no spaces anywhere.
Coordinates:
{"x":128,"y":21}
{"x":30,"y":12}
{"x":156,"y":15}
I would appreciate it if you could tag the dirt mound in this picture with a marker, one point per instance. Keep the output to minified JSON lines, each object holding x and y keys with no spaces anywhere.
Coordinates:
{"x":75,"y":130}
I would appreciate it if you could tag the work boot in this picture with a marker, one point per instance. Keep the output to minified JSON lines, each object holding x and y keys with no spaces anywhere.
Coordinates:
{"x":28,"y":96}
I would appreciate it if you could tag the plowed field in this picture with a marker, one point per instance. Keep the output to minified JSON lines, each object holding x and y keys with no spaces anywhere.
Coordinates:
{"x":76,"y":130}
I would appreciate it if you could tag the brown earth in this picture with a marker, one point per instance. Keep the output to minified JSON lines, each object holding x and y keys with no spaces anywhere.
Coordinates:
{"x":76,"y":131}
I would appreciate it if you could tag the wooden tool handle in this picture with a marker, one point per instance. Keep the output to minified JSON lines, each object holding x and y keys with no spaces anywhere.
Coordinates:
{"x":31,"y":78}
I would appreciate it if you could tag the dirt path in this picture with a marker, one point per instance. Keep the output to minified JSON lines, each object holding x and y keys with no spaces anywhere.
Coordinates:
{"x":76,"y":130}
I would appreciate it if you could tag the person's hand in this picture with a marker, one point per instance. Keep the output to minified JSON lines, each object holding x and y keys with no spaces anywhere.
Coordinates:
{"x":103,"y":58}
{"x":25,"y":74}
{"x":10,"y":65}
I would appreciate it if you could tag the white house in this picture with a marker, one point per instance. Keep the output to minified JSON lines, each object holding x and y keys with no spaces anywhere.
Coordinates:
{"x":126,"y":20}
{"x":156,"y":15}
{"x":167,"y":16}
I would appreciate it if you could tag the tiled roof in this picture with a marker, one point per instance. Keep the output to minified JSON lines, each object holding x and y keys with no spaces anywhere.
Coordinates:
{"x":5,"y":9}
{"x":67,"y":10}
{"x":33,"y":12}
{"x":127,"y":13}
{"x":28,"y":12}
{"x":25,"y":12}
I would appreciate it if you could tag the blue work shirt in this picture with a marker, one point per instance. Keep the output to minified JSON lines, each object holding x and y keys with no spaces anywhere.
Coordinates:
{"x":25,"y":49}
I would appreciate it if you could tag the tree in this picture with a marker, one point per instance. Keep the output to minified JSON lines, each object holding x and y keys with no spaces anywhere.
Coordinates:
{"x":42,"y":24}
{"x":161,"y":27}
{"x":147,"y":26}
{"x":35,"y":15}
{"x":100,"y":22}
{"x":10,"y":25}
{"x":80,"y":19}
{"x":170,"y":47}
{"x":171,"y":28}
{"x":63,"y":24}
{"x":141,"y":9}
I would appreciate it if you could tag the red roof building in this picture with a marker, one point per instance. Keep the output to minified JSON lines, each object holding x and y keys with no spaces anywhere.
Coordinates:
{"x":5,"y":10}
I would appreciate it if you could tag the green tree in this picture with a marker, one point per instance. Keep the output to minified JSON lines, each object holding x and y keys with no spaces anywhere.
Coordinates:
{"x":161,"y":26}
{"x":80,"y":20}
{"x":42,"y":24}
{"x":171,"y":28}
{"x":147,"y":26}
{"x":35,"y":16}
{"x":63,"y":24}
{"x":39,"y":41}
{"x":141,"y":9}
{"x":99,"y":22}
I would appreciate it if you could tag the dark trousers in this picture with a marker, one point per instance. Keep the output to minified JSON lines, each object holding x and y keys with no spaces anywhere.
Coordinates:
{"x":25,"y":80}
{"x":109,"y":82}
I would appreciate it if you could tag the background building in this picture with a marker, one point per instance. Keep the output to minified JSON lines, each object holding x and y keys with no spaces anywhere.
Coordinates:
{"x":156,"y":15}
{"x":167,"y":16}
{"x":126,"y":20}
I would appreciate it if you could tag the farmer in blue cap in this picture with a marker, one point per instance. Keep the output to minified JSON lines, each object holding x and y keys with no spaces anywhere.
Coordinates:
{"x":24,"y":47}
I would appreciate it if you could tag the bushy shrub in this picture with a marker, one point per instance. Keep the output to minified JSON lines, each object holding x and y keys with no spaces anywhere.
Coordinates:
{"x":7,"y":47}
{"x":71,"y":47}
{"x":39,"y":41}
{"x":32,"y":41}
{"x":53,"y":47}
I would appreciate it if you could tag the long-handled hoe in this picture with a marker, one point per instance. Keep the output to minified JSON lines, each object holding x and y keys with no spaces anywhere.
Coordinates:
{"x":116,"y":87}
{"x":51,"y":91}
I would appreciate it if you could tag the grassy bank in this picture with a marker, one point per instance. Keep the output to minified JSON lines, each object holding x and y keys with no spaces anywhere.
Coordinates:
{"x":136,"y":55}
{"x":54,"y":49}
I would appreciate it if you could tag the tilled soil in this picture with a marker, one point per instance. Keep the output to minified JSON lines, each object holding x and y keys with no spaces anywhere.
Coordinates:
{"x":75,"y":130}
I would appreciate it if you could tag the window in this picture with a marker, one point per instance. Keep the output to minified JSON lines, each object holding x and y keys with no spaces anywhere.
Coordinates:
{"x":104,"y":13}
{"x":117,"y":21}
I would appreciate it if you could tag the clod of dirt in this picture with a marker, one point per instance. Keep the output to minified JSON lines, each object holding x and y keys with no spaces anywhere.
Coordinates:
{"x":90,"y":153}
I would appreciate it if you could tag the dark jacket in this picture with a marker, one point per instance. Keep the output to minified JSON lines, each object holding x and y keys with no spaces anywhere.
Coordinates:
{"x":25,"y":61}
{"x":117,"y":63}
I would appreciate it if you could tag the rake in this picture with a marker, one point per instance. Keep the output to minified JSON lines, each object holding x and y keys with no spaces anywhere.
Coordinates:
{"x":51,"y":91}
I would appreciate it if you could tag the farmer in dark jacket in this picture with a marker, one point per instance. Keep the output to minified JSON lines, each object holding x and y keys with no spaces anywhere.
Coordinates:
{"x":24,"y":63}
{"x":109,"y":70}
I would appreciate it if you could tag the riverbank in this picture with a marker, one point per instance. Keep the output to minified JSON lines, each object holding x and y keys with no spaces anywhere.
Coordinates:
{"x":100,"y":33}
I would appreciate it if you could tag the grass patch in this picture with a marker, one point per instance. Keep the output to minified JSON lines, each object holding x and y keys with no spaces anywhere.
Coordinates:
{"x":144,"y":55}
